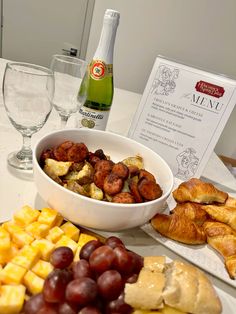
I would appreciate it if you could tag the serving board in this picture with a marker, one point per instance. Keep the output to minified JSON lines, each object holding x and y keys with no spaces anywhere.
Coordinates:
{"x":228,"y":302}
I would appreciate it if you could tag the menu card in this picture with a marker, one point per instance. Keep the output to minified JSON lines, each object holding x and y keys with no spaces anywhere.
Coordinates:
{"x":181,"y":115}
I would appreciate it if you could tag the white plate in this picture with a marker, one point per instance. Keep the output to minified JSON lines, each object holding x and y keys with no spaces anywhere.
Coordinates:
{"x":200,"y":255}
{"x":228,"y":302}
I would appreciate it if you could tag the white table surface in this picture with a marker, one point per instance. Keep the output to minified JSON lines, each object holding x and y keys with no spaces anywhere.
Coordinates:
{"x":17,"y":187}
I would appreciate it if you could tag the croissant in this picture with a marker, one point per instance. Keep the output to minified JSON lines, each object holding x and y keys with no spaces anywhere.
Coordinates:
{"x":215,"y":228}
{"x":179,"y":228}
{"x":222,"y":213}
{"x":198,"y":191}
{"x":230,"y":264}
{"x":223,"y":239}
{"x":192,"y":211}
{"x":230,"y":202}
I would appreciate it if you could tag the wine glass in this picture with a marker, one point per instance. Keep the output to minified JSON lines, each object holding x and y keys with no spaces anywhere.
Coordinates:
{"x":68,"y":73}
{"x":27,"y":96}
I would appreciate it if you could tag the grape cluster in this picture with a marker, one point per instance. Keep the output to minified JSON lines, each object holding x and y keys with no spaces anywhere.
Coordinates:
{"x":92,"y":285}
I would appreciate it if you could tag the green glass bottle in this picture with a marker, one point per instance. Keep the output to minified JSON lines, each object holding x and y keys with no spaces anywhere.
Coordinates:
{"x":96,"y":91}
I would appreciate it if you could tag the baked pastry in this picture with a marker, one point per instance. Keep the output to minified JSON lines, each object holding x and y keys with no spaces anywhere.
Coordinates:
{"x":223,"y":239}
{"x":186,"y":290}
{"x":230,"y":202}
{"x":154,"y":263}
{"x":226,"y":246}
{"x":192,"y":211}
{"x":198,"y":191}
{"x":152,"y":282}
{"x":215,"y":228}
{"x":179,"y":228}
{"x":230,"y":264}
{"x":222,"y":213}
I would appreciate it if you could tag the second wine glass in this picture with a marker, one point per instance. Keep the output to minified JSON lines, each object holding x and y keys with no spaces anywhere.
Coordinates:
{"x":68,"y":74}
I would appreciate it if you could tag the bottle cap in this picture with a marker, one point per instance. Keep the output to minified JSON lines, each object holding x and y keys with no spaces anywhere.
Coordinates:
{"x":112,"y":15}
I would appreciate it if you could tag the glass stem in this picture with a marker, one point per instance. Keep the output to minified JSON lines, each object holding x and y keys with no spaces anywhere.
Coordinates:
{"x":25,"y":153}
{"x":64,"y":120}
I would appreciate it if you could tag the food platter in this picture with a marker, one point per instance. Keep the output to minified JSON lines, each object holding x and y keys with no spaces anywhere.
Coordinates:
{"x":227,"y":303}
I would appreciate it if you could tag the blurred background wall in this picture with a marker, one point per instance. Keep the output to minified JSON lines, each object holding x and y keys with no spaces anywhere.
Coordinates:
{"x":200,"y":33}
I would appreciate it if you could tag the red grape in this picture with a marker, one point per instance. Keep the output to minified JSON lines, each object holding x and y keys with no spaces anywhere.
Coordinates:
{"x":90,"y":310}
{"x":68,"y":273}
{"x":48,"y":309}
{"x":62,"y":257}
{"x":118,"y":306}
{"x":34,"y":304}
{"x":82,"y":291}
{"x":101,"y":259}
{"x":55,"y":285}
{"x":88,"y":248}
{"x":113,"y":242}
{"x":110,"y":284}
{"x":137,"y":262}
{"x":123,"y":261}
{"x":131,"y":279}
{"x":81,"y":269}
{"x":67,"y":308}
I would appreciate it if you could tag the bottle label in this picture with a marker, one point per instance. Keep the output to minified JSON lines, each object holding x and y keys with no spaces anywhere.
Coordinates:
{"x":93,"y":119}
{"x":99,"y":69}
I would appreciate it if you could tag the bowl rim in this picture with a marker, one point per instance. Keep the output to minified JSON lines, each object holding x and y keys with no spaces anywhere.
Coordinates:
{"x":103,"y":203}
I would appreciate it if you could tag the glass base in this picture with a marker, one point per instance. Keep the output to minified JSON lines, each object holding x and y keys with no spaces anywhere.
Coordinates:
{"x":16,"y":160}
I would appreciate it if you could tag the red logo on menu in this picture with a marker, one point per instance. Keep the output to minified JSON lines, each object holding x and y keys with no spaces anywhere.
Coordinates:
{"x":98,"y":70}
{"x":209,"y":89}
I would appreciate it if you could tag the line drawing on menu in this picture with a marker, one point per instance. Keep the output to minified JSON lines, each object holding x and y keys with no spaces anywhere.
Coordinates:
{"x":164,"y":82}
{"x":187,"y":162}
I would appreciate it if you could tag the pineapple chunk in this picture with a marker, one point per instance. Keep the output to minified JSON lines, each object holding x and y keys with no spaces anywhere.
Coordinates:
{"x":48,"y":216}
{"x":66,"y":241}
{"x":7,"y":255}
{"x":25,"y":216}
{"x":11,"y":227}
{"x":12,"y":274}
{"x":37,"y":230}
{"x":84,"y":238}
{"x":54,"y":234}
{"x":27,"y":256}
{"x":11,"y":299}
{"x":13,"y":251}
{"x":71,"y":230}
{"x":45,"y":247}
{"x":59,"y":220}
{"x":21,"y":238}
{"x":33,"y":283}
{"x":42,"y":268}
{"x":4,"y":257}
{"x":5,"y":241}
{"x":76,"y":256}
{"x":18,"y":235}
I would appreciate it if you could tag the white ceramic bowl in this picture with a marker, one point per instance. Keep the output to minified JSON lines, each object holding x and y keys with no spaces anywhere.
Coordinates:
{"x":93,"y":213}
